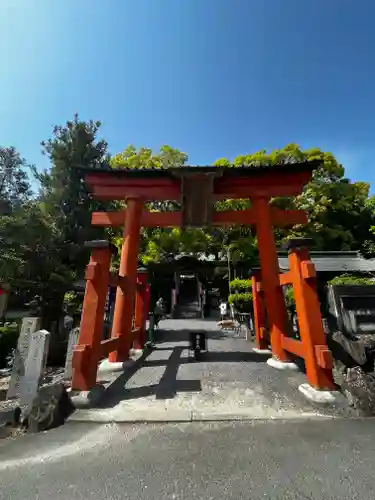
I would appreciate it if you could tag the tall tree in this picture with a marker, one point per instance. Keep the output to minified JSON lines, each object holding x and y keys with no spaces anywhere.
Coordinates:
{"x":339,"y":217}
{"x":14,"y":181}
{"x":14,"y":193}
{"x":72,"y":149}
{"x":64,"y":198}
{"x":166,"y":157}
{"x":157,"y":243}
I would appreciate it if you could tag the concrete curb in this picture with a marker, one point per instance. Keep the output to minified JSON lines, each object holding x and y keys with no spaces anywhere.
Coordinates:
{"x":170,"y":416}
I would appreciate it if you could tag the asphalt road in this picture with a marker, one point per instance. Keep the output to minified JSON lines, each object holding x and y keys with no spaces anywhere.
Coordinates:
{"x":331,"y":459}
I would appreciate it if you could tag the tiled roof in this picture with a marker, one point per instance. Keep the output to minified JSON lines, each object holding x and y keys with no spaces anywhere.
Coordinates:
{"x":335,"y":262}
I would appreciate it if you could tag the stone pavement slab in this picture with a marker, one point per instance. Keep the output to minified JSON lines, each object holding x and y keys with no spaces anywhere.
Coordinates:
{"x":231,"y":382}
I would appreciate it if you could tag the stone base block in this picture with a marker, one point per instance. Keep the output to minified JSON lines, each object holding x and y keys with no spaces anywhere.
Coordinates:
{"x":316,"y":395}
{"x":11,"y":414}
{"x":282,"y":365}
{"x":49,"y":409}
{"x":136,"y":353}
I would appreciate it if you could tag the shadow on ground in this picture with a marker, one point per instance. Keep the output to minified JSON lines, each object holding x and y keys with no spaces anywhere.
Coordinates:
{"x":168,"y":386}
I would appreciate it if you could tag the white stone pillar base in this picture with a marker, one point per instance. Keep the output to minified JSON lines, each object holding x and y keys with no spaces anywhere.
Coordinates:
{"x":316,"y":395}
{"x":262,"y":351}
{"x":282,"y":365}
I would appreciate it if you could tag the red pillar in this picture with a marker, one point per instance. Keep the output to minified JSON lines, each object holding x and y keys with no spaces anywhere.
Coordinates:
{"x":259,"y":313}
{"x":277,"y":315}
{"x":86,"y":355}
{"x":140,"y":310}
{"x":318,"y":358}
{"x":125,"y":295}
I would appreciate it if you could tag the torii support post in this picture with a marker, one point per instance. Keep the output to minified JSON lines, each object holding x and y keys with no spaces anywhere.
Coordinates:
{"x":318,"y":358}
{"x":141,"y":312}
{"x":87,"y":352}
{"x":259,"y":313}
{"x":276,"y":310}
{"x":126,"y":289}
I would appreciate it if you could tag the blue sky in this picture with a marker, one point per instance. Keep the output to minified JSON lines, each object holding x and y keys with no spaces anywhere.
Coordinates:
{"x":214,"y":78}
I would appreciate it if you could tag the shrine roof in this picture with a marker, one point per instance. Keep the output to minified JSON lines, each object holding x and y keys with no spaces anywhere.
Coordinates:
{"x":220,"y":171}
{"x":335,"y":261}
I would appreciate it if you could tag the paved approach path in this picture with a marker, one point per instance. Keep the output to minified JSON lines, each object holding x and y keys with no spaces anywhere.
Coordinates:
{"x":273,"y":459}
{"x":231,"y":382}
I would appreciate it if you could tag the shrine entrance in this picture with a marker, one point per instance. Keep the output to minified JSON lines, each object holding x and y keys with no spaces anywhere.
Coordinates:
{"x":197,"y":189}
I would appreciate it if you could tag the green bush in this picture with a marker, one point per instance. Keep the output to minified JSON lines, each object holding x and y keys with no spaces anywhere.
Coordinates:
{"x":238,"y":285}
{"x":242,"y":302}
{"x":73,"y":303}
{"x":8,"y":341}
{"x":289,"y":296}
{"x":350,"y":279}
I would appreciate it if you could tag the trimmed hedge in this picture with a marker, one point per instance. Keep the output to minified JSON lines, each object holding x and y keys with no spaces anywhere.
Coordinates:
{"x":241,"y":297}
{"x":238,"y":285}
{"x":242,"y":302}
{"x":350,"y":279}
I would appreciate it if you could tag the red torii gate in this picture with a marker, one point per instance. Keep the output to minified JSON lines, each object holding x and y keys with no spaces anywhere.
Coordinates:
{"x":197,"y":188}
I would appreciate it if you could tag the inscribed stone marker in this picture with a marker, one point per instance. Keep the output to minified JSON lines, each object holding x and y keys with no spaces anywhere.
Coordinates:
{"x":73,"y":340}
{"x":29,"y":326}
{"x":35,"y":366}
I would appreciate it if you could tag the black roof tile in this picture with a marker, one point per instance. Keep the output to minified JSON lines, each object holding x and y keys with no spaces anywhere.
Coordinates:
{"x":342,"y":262}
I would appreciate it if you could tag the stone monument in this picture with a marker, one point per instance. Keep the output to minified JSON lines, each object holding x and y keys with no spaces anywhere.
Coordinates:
{"x":73,"y":340}
{"x":34,"y":367}
{"x":29,"y":326}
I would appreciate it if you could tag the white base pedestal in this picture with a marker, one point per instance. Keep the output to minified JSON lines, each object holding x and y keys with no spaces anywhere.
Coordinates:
{"x":87,"y":399}
{"x":262,"y":351}
{"x":282,"y":365}
{"x":107,"y":366}
{"x":317,"y":396}
{"x":135,"y":352}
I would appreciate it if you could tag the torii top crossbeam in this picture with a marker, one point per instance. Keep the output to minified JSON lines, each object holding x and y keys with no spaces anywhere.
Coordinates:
{"x":197,"y":188}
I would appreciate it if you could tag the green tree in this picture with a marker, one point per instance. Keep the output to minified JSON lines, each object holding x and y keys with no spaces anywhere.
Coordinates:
{"x":14,"y":181}
{"x":158,"y":243}
{"x":339,"y":216}
{"x":145,"y":158}
{"x":72,"y":149}
{"x":64,"y":198}
{"x":15,"y":192}
{"x":369,"y":243}
{"x":31,"y":262}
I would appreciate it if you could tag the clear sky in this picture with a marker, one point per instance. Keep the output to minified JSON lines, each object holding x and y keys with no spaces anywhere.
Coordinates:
{"x":214,"y":78}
